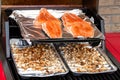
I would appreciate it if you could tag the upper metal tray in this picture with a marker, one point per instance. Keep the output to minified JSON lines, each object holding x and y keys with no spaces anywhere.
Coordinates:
{"x":25,"y":18}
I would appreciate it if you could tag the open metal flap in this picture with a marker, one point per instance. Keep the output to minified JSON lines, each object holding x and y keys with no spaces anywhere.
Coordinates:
{"x":41,"y":2}
{"x":90,"y":4}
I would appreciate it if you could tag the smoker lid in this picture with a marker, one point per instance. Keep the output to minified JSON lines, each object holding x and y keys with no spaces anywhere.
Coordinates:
{"x":90,"y":4}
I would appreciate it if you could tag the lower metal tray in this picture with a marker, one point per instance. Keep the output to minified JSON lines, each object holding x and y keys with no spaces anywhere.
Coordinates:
{"x":100,"y":62}
{"x":40,"y":60}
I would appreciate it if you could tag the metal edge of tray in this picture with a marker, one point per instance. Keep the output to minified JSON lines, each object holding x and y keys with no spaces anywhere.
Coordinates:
{"x":56,"y":74}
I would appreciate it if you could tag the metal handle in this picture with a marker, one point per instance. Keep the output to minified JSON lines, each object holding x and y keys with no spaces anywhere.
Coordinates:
{"x":7,"y":39}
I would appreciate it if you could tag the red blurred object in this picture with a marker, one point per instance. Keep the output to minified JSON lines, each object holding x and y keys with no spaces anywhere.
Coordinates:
{"x":113,"y":44}
{"x":2,"y":75}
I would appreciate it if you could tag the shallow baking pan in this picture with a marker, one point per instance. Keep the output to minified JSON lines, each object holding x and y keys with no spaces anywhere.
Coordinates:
{"x":111,"y":67}
{"x":21,"y":44}
{"x":25,"y":19}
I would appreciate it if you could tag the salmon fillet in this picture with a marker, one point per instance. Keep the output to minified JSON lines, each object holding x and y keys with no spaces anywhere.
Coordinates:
{"x":77,"y":26}
{"x":48,"y":23}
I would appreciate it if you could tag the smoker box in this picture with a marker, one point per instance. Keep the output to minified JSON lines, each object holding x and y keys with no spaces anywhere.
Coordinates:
{"x":10,"y":30}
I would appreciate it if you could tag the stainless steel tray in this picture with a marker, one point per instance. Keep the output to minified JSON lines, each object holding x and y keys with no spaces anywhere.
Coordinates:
{"x":111,"y":67}
{"x":47,"y":70}
{"x":25,"y":20}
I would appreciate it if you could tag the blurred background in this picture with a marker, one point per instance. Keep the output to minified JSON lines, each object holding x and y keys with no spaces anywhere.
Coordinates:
{"x":110,"y":11}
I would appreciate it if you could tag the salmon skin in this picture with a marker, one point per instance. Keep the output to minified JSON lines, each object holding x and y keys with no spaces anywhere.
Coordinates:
{"x":48,"y":23}
{"x":77,"y":26}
